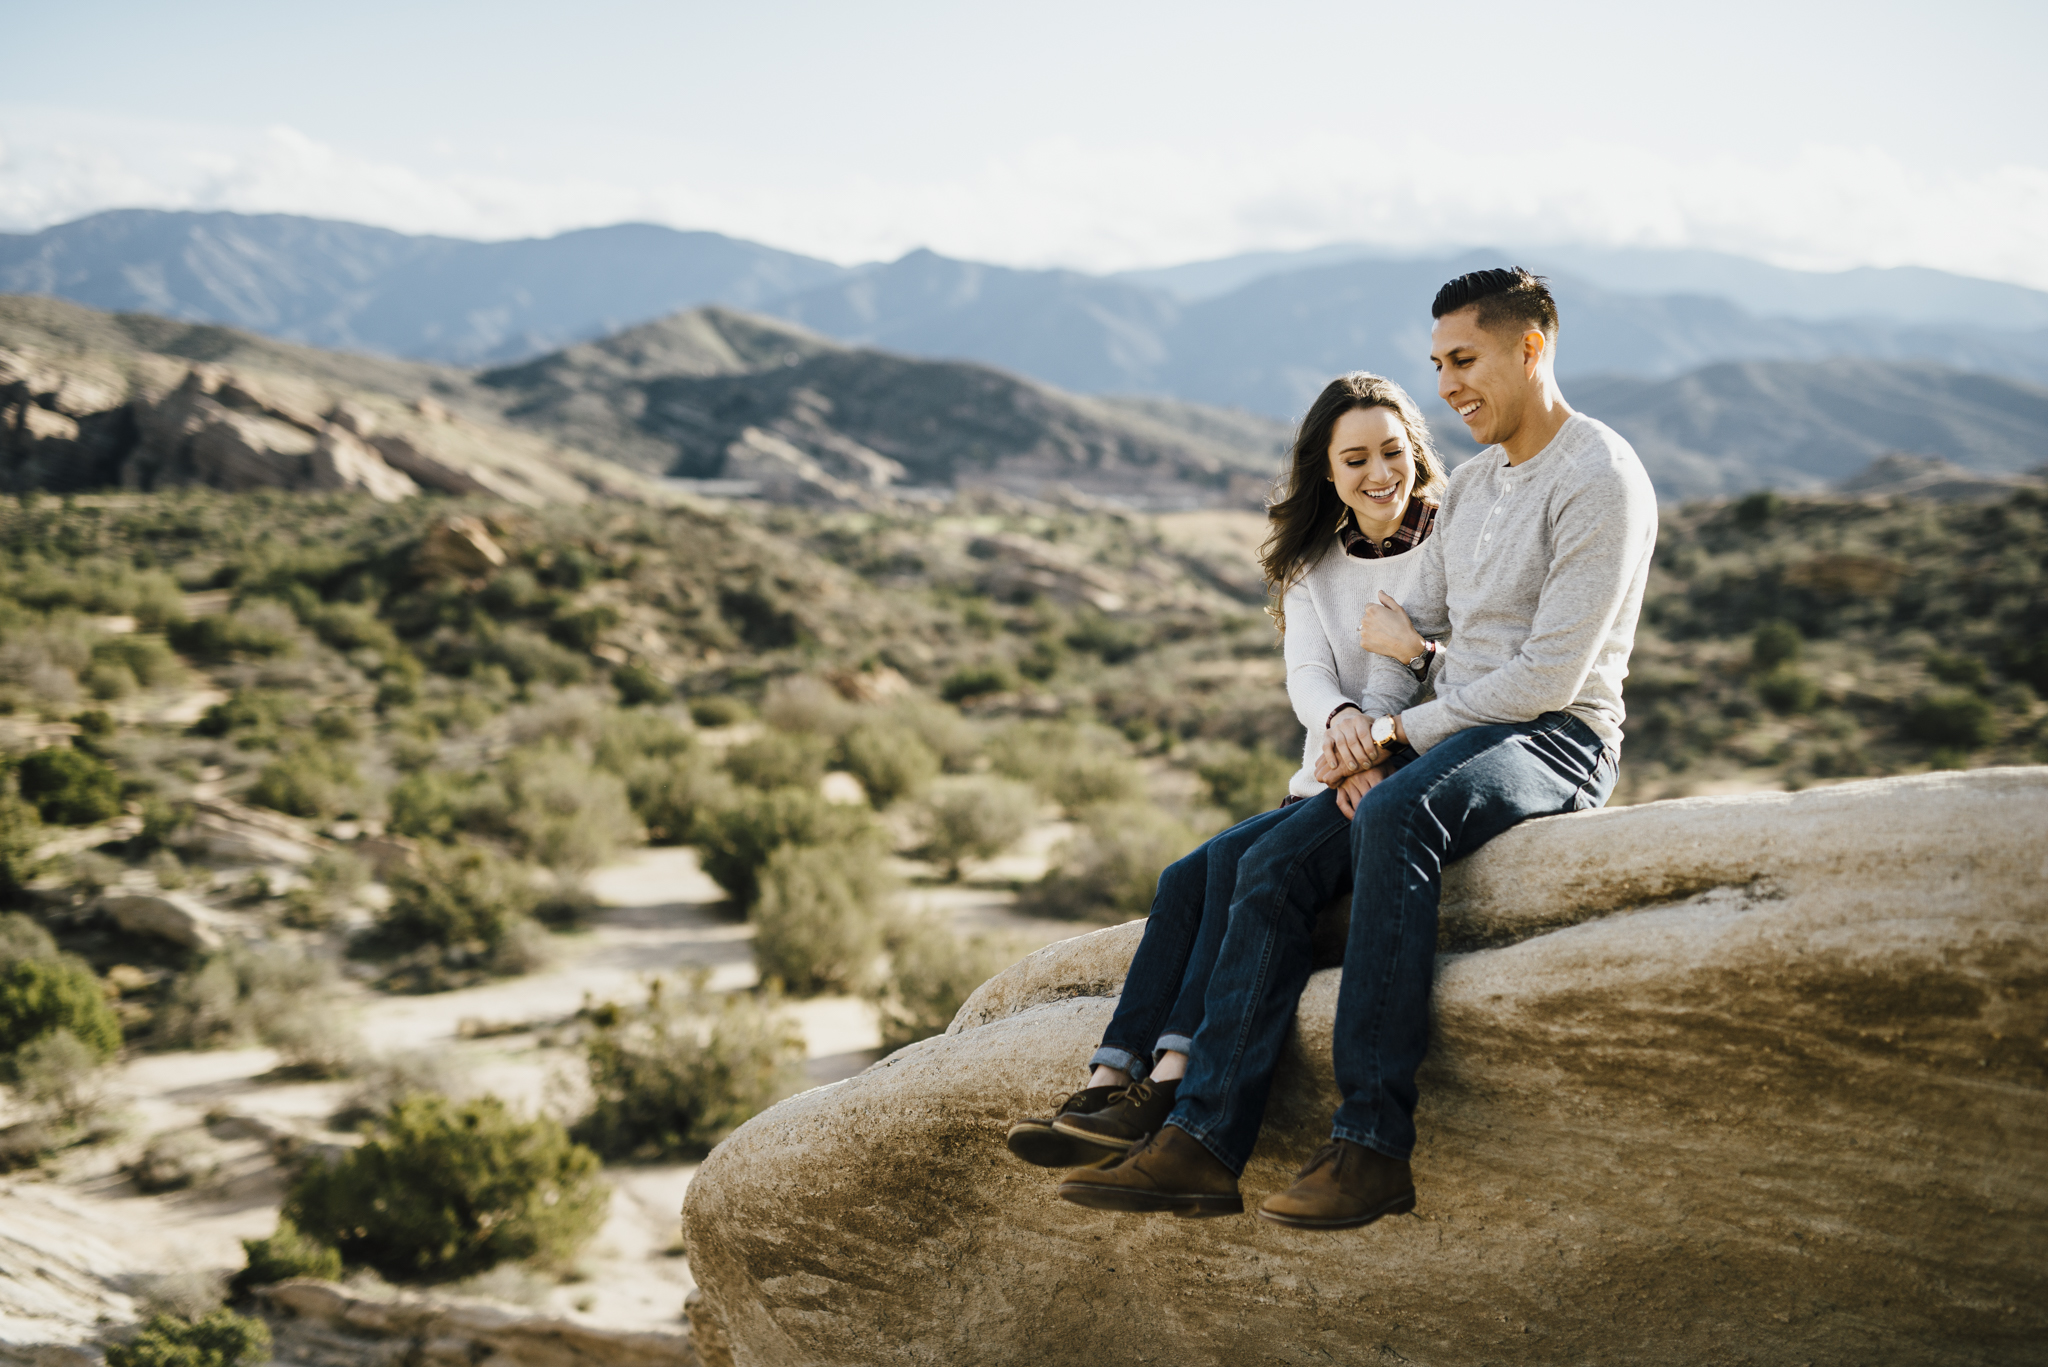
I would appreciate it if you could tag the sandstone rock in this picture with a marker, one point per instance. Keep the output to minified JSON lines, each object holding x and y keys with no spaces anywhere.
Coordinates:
{"x":169,"y":916}
{"x":40,"y":424}
{"x":317,"y":1321}
{"x":458,"y":546}
{"x":341,"y":461}
{"x":784,"y":473}
{"x":1756,"y":1078}
{"x":434,"y":470}
{"x":229,"y":830}
{"x":1024,"y":565}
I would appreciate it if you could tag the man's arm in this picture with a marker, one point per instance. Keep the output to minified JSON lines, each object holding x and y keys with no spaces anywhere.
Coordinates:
{"x":1601,"y":535}
{"x":1389,"y":686}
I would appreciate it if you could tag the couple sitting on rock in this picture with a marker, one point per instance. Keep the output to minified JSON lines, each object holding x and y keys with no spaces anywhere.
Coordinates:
{"x":1514,"y":601}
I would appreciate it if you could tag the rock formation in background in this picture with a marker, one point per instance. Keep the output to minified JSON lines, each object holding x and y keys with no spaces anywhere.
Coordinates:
{"x":1759,"y":1077}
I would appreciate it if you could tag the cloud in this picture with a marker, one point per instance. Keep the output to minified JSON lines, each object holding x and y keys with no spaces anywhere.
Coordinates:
{"x":1095,"y":206}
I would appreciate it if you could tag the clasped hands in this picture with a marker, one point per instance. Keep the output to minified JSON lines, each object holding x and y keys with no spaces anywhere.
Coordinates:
{"x":1350,"y":762}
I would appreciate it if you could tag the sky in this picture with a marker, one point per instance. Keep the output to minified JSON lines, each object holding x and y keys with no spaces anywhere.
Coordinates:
{"x":1098,"y":136}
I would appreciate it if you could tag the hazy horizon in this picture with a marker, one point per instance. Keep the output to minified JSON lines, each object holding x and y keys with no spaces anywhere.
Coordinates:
{"x":1820,"y":136}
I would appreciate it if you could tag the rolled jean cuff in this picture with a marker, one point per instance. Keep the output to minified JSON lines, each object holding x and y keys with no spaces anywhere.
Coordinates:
{"x":1366,"y":1141}
{"x":1179,"y":1044}
{"x":1108,"y":1056}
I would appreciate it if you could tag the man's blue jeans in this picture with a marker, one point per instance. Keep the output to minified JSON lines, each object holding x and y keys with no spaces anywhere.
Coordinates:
{"x":1441,"y":807}
{"x":1161,"y":1002}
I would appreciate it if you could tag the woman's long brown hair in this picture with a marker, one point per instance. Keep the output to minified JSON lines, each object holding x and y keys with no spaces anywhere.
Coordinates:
{"x":1302,"y":517}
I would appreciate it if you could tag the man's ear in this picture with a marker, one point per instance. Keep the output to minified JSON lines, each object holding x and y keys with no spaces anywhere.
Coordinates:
{"x":1535,"y":348}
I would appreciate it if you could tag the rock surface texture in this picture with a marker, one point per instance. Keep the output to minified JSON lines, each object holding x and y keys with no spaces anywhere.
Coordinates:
{"x":1743,"y":1079}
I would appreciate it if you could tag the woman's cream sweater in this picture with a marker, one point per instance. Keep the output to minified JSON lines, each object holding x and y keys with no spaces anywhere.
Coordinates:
{"x":1325,"y":666}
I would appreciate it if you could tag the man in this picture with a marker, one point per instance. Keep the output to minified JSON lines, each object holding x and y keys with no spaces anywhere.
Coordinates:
{"x":1535,"y":575}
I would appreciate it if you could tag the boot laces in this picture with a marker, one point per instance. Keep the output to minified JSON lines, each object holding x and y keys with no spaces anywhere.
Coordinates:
{"x":1331,"y":1152}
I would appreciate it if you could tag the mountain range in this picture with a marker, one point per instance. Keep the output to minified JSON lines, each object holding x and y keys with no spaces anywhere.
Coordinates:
{"x":926,"y":372}
{"x":1259,"y":332}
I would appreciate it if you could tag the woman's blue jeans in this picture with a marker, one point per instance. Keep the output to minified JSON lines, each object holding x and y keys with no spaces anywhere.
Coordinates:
{"x":1161,"y":1002}
{"x":1441,"y":807}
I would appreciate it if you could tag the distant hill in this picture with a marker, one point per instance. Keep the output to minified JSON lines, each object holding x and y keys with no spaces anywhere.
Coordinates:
{"x":1899,"y":294}
{"x":1269,"y":344}
{"x":1728,"y":428}
{"x":715,"y":394}
{"x":344,"y":285}
{"x":1260,"y":332}
{"x":706,"y":394}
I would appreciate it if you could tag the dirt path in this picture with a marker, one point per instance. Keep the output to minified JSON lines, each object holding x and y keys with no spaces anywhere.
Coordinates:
{"x":79,"y":1241}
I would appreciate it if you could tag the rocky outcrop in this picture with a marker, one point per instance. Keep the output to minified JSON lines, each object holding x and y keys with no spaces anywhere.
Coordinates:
{"x":316,"y":1322}
{"x":458,"y":547}
{"x":1760,"y":1078}
{"x":173,"y":916}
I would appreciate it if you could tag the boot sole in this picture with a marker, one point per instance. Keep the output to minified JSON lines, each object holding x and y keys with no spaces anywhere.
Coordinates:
{"x":1400,"y":1205}
{"x":1098,"y":1140}
{"x":1137,"y":1201}
{"x":1044,"y":1147}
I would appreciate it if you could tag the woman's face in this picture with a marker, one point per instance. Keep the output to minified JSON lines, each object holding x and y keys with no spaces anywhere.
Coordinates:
{"x":1372,"y":465}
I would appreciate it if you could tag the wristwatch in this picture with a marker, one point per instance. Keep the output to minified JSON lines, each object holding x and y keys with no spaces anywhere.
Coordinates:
{"x":1419,"y":666}
{"x":1383,"y":732}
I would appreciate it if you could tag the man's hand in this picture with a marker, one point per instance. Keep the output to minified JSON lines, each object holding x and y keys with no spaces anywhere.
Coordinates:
{"x":1347,"y":748}
{"x":1386,"y":630}
{"x":1357,"y":786}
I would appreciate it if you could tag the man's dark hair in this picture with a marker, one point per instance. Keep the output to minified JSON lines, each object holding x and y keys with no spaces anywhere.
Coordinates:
{"x":1511,"y":296}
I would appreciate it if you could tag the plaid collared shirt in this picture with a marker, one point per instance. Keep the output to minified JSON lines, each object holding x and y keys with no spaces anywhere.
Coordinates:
{"x":1415,"y":527}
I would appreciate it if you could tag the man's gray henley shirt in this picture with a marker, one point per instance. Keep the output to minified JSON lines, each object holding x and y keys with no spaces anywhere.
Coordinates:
{"x":1536,"y":573}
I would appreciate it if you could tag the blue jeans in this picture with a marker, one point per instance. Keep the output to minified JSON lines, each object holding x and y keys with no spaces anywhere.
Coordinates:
{"x":1441,"y":807}
{"x":1161,"y":1002}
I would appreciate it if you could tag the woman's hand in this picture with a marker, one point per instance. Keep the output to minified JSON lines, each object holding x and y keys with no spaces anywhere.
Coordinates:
{"x":1357,"y":786}
{"x":1386,"y":630}
{"x":1347,"y":748}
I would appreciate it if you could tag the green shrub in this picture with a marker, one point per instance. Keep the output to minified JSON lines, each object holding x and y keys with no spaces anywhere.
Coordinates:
{"x":284,"y":1255}
{"x":1754,"y":512}
{"x":719,"y":710}
{"x":674,"y":1077}
{"x":447,"y":1189}
{"x":219,"y":1339}
{"x":779,"y":759}
{"x":1787,"y":689}
{"x":1075,"y":766}
{"x":889,"y":759}
{"x":464,"y":912}
{"x":670,"y":794}
{"x":974,"y":817}
{"x":69,"y":787}
{"x":145,"y":659}
{"x":1110,"y":868}
{"x":1247,"y":782}
{"x":59,"y":1075}
{"x":1965,"y":671}
{"x":977,"y":680}
{"x":22,"y":938}
{"x":21,"y":834}
{"x":435,"y":804}
{"x":933,"y":971}
{"x":734,"y":842}
{"x":1775,"y":643}
{"x":564,"y":815}
{"x":640,"y":686}
{"x":820,"y":918}
{"x":262,"y":995}
{"x":41,"y":996}
{"x":311,"y":780}
{"x":260,"y":630}
{"x":1952,"y":719}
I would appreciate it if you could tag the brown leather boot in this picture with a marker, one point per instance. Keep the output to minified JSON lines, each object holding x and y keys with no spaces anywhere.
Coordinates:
{"x":1139,"y":1110}
{"x":1169,"y":1170}
{"x":1344,"y":1185}
{"x":1033,"y":1140}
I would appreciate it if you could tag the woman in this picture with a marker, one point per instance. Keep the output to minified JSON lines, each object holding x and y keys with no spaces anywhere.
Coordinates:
{"x":1357,"y":496}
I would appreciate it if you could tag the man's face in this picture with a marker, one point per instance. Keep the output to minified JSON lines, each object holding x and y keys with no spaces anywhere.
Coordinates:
{"x":1484,"y":375}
